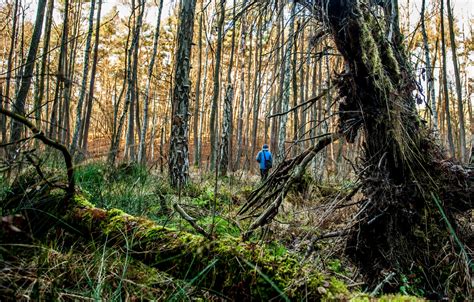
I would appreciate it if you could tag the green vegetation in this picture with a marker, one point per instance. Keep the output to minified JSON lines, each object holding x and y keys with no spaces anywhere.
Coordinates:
{"x":136,"y":250}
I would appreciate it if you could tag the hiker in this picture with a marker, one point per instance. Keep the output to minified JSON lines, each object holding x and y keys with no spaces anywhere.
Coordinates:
{"x":265,"y":159}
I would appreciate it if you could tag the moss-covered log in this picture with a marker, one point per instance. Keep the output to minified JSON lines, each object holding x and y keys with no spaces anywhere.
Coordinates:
{"x":238,"y":270}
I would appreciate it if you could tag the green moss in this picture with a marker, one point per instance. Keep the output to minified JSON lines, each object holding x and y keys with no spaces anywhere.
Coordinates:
{"x":385,"y":298}
{"x":81,"y":201}
{"x":115,"y":212}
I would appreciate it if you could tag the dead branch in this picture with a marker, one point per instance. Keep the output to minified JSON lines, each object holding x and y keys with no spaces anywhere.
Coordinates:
{"x":308,"y":102}
{"x":49,"y":142}
{"x":273,"y":191}
{"x":190,"y":220}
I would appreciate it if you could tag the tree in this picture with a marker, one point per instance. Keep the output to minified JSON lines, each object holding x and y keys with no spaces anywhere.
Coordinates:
{"x":142,"y":149}
{"x":44,"y":60}
{"x":429,"y":70}
{"x":27,"y":73}
{"x":457,"y":76}
{"x":225,"y":154}
{"x":240,"y":115}
{"x":84,"y":139}
{"x":60,"y":74}
{"x":10,"y":64}
{"x":179,"y":155}
{"x":411,"y":190}
{"x":132,"y":84}
{"x":445,"y":85}
{"x":215,"y":90}
{"x":286,"y":71}
{"x":85,"y":76}
{"x":197,"y":95}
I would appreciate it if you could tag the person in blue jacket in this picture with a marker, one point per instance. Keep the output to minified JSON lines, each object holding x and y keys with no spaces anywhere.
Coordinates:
{"x":265,"y":159}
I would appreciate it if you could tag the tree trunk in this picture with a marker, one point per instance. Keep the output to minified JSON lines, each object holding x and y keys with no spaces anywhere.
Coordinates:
{"x":408,"y":184}
{"x":445,"y":86}
{"x":257,"y":85}
{"x":215,"y":94}
{"x":286,"y":87}
{"x":178,"y":155}
{"x":226,"y":129}
{"x":225,"y":153}
{"x":294,"y":88}
{"x":141,"y":149}
{"x":44,"y":60}
{"x":132,"y":90}
{"x":197,"y":95}
{"x":457,"y":76}
{"x":242,"y":271}
{"x":429,"y":71}
{"x":118,"y":123}
{"x":10,"y":63}
{"x":84,"y":141}
{"x":240,"y":118}
{"x":411,"y":190}
{"x":27,"y":73}
{"x":85,"y":75}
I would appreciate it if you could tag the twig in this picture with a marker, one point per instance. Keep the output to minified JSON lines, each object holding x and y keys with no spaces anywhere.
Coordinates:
{"x":379,"y":286}
{"x":308,"y":102}
{"x":310,"y":249}
{"x":190,"y":220}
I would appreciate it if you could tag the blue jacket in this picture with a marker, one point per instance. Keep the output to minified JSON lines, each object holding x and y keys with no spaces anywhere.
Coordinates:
{"x":263,"y":155}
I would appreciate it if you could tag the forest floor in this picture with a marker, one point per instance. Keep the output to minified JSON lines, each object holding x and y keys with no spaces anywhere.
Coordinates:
{"x":47,"y":258}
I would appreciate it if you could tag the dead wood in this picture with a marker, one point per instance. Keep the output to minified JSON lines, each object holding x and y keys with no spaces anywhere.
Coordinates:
{"x":49,"y":142}
{"x":238,"y":270}
{"x":273,"y":191}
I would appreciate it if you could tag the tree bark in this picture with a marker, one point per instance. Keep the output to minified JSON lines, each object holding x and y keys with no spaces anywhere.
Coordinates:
{"x":405,"y":172}
{"x":225,"y":153}
{"x":227,"y":265}
{"x":411,"y":190}
{"x":179,"y":155}
{"x":61,"y":72}
{"x":240,"y":117}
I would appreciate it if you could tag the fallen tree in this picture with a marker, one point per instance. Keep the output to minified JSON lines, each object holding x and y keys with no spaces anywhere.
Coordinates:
{"x":238,"y":270}
{"x":413,"y":192}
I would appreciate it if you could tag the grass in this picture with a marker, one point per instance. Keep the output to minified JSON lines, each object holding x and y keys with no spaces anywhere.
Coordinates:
{"x":68,"y":268}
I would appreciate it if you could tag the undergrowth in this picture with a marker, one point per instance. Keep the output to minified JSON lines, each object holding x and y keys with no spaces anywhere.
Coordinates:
{"x":65,"y":267}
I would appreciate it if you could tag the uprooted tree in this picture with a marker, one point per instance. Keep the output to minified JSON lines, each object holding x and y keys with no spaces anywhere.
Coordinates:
{"x":413,"y":194}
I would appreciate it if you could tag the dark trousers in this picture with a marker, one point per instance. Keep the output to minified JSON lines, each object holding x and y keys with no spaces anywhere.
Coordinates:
{"x":264,"y":174}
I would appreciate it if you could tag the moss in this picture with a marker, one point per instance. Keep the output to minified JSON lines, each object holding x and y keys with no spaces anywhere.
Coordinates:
{"x":226,"y":265}
{"x":115,"y":212}
{"x":81,"y":201}
{"x":385,"y":298}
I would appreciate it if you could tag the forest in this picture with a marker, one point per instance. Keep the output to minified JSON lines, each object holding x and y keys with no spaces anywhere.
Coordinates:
{"x":236,"y":150}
